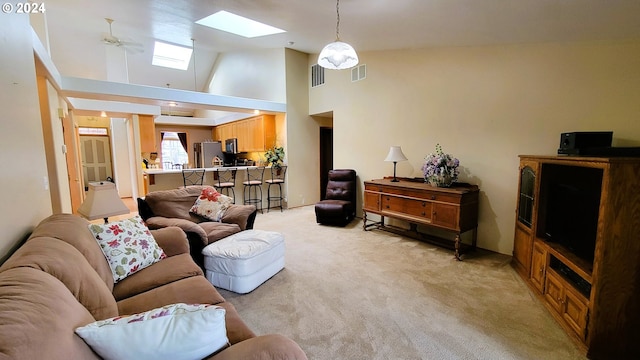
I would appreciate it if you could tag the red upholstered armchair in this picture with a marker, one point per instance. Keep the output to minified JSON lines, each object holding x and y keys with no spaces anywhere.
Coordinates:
{"x":339,"y":206}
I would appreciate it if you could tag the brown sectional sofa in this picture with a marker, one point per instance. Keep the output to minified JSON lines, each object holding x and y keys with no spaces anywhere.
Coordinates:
{"x":59,"y":280}
{"x":163,"y":208}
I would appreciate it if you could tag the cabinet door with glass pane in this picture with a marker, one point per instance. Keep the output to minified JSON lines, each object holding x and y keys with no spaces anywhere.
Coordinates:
{"x":525,"y":217}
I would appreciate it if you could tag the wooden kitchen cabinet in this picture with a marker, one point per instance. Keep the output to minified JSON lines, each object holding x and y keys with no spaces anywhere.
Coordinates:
{"x":224,"y":132}
{"x":453,"y":209}
{"x":255,"y":134}
{"x":147,"y":134}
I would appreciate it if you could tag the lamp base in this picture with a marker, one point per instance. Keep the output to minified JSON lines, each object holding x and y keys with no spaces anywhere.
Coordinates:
{"x":395,"y":180}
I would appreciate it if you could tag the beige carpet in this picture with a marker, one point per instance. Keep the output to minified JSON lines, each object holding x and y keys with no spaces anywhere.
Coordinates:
{"x":350,"y":294}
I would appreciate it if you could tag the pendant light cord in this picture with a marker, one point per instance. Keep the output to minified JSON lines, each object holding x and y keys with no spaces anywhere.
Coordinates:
{"x":338,"y":22}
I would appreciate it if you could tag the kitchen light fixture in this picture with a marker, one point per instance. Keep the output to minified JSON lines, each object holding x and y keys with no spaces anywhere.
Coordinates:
{"x":103,"y":114}
{"x":170,"y":135}
{"x":338,"y":55}
{"x":102,"y":201}
{"x":395,"y":155}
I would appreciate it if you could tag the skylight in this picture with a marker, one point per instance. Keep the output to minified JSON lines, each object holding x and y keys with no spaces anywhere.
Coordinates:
{"x":236,"y":24}
{"x":171,"y":56}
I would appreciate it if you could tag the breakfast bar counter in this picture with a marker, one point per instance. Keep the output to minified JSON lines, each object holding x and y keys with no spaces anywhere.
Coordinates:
{"x":166,"y":179}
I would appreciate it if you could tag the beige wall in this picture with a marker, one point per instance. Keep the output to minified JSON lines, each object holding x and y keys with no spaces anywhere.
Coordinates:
{"x":303,"y":135}
{"x":25,"y":198}
{"x":485,"y":105}
{"x":250,"y":74}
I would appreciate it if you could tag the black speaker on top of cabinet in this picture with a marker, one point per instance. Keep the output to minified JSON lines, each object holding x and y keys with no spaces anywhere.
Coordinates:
{"x":571,"y":143}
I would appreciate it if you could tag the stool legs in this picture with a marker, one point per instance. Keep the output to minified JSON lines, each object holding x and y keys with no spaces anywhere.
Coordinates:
{"x":253,"y":200}
{"x":274,"y":198}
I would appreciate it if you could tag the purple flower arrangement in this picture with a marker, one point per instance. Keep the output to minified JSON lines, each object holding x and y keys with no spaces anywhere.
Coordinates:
{"x":440,"y":169}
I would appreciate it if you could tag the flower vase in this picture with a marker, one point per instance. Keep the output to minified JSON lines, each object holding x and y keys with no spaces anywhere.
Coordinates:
{"x":439,"y":180}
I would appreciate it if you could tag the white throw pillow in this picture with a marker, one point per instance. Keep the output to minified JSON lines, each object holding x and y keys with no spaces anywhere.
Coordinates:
{"x":211,"y":204}
{"x":176,"y":332}
{"x":128,"y":246}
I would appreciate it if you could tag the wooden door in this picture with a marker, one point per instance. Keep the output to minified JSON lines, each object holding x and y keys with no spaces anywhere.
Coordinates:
{"x":96,"y":158}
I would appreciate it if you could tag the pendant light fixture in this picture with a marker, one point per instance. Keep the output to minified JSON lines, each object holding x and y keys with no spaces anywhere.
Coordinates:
{"x":338,"y":55}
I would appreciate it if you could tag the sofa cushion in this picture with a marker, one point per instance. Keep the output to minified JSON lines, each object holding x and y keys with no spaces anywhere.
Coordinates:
{"x":177,"y":331}
{"x":191,"y":290}
{"x":65,"y":262}
{"x":38,"y":315}
{"x":216,"y":231}
{"x":75,"y":231}
{"x":174,"y":203}
{"x":164,"y":272}
{"x":128,"y":246}
{"x":211,"y":204}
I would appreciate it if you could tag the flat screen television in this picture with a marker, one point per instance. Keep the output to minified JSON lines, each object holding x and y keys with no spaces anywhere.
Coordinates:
{"x":570,"y":204}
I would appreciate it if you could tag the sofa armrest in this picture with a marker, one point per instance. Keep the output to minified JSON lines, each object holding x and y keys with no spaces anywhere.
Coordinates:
{"x":172,"y":240}
{"x":159,"y":222}
{"x":242,"y":215}
{"x":265,"y":347}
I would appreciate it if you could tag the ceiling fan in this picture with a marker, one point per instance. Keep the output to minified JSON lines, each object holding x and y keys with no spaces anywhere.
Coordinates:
{"x":129,"y":46}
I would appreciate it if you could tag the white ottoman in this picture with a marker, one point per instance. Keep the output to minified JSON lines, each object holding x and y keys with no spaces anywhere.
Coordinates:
{"x":243,"y":261}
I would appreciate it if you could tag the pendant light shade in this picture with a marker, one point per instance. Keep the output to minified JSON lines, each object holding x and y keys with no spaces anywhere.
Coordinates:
{"x":338,"y":55}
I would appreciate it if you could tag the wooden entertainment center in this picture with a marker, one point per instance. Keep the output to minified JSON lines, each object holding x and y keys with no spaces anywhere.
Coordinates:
{"x":453,"y":210}
{"x":577,"y":246}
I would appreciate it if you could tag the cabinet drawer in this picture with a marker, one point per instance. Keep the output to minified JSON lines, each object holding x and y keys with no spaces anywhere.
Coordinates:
{"x":405,"y":206}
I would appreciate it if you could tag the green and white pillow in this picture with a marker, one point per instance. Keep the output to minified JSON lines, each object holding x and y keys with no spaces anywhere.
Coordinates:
{"x":128,"y":246}
{"x":177,"y":331}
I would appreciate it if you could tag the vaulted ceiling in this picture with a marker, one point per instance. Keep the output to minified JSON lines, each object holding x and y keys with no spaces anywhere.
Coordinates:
{"x":76,"y":29}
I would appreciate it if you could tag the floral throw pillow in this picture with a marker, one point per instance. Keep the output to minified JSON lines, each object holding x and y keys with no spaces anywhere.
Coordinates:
{"x":211,"y":204}
{"x":128,"y":246}
{"x":177,"y":331}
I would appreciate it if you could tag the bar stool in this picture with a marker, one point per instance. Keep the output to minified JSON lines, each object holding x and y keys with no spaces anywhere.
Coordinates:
{"x":192,"y":177}
{"x":253,"y":180}
{"x":277,"y":178}
{"x":225,"y":179}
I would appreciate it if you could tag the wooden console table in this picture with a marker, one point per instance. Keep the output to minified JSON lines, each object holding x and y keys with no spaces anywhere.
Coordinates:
{"x":453,"y":209}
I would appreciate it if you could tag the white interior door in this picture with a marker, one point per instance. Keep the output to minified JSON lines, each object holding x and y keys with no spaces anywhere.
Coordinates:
{"x":96,"y":158}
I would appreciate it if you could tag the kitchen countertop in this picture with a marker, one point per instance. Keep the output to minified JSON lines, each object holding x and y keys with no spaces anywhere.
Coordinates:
{"x":209,"y":169}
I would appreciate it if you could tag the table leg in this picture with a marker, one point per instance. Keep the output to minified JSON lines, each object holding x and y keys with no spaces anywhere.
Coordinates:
{"x":457,"y":253}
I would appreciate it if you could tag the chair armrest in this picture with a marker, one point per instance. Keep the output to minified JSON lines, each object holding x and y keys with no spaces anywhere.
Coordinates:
{"x":242,"y":215}
{"x":172,"y":240}
{"x":265,"y":347}
{"x":159,"y":222}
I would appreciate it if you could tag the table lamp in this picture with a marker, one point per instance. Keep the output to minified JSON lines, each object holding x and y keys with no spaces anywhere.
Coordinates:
{"x":395,"y":155}
{"x":102,"y":201}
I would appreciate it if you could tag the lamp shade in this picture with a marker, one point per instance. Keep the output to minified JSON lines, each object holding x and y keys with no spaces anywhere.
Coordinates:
{"x":338,"y":55}
{"x":102,"y":201}
{"x":395,"y":154}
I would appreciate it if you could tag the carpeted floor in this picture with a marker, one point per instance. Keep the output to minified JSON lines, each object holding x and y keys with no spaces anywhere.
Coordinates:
{"x":350,"y":294}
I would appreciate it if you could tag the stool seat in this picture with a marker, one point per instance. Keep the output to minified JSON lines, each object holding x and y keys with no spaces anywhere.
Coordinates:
{"x":253,"y":181}
{"x":225,"y":180}
{"x":245,"y":260}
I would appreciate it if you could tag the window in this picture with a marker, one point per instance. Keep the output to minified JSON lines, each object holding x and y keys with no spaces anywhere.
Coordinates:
{"x":174,"y":149}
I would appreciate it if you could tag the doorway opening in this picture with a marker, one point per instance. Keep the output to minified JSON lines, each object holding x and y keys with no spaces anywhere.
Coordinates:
{"x":326,"y":158}
{"x":96,"y":156}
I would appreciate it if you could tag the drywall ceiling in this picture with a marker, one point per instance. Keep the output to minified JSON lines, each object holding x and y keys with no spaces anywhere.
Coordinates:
{"x":76,"y":29}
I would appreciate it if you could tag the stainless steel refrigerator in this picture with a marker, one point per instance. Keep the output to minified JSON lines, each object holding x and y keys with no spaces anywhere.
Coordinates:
{"x":205,"y":152}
